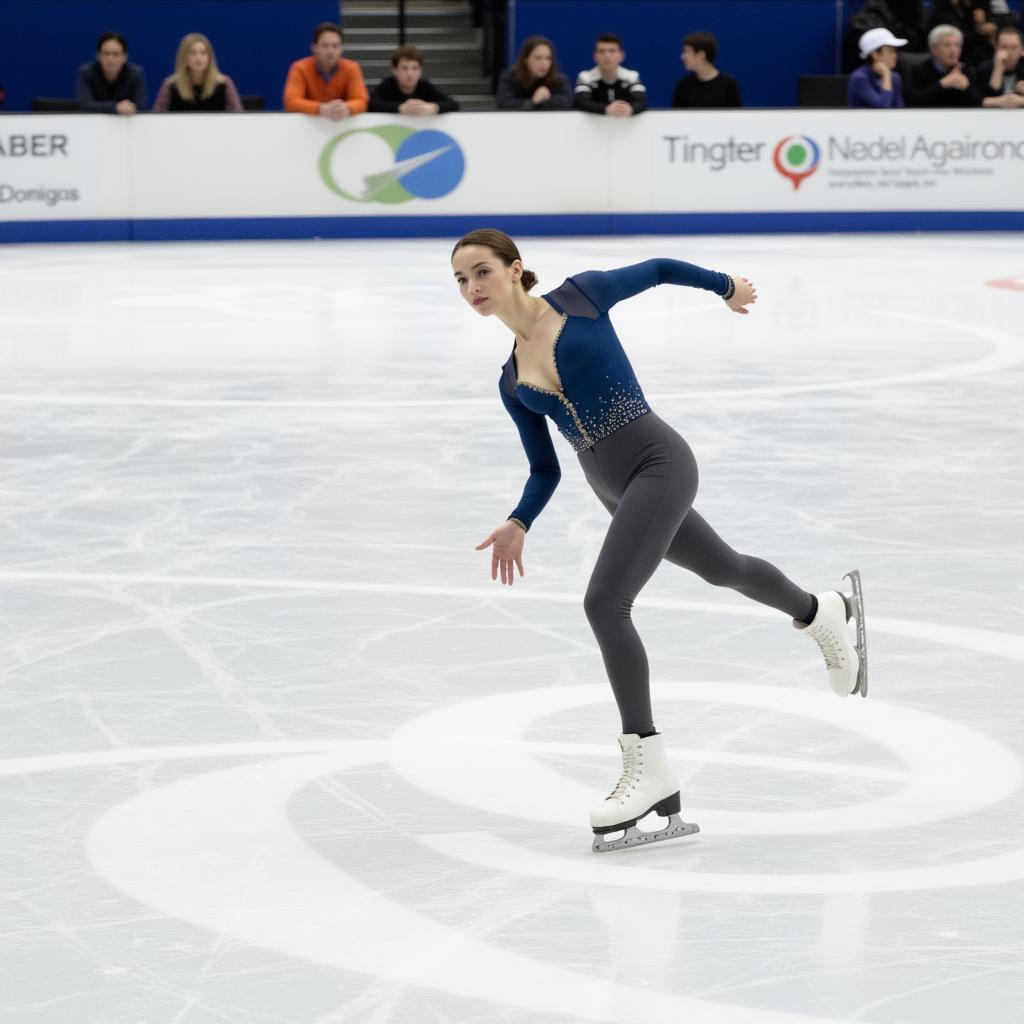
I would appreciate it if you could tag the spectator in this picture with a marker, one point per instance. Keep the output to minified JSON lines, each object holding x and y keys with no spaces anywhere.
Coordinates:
{"x":941,"y":81}
{"x":407,"y":91}
{"x":877,"y":83}
{"x":609,"y":88}
{"x":903,"y":18}
{"x":975,"y":22}
{"x":1001,"y":80}
{"x":534,"y":81}
{"x":197,"y":84}
{"x":999,"y":11}
{"x":705,"y":86}
{"x":110,"y":85}
{"x":326,"y":83}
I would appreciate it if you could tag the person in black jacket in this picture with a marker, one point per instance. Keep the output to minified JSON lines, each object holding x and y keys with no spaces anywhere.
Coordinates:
{"x":1001,"y":80}
{"x":903,"y":18}
{"x":974,"y":19}
{"x":534,"y":81}
{"x":110,"y":85}
{"x":942,"y":81}
{"x":406,"y":91}
{"x":705,"y":86}
{"x":197,"y":84}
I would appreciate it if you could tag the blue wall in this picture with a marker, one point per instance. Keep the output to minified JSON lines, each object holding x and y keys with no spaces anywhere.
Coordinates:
{"x":42,"y":42}
{"x":766,"y":44}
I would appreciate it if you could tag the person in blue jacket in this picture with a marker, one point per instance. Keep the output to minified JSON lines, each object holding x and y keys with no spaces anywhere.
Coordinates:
{"x":877,"y":83}
{"x":567,"y":364}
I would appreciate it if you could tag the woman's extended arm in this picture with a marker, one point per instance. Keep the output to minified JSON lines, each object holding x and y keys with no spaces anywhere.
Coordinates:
{"x":606,"y":287}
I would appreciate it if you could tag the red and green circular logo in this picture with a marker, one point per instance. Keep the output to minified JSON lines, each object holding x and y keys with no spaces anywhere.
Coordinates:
{"x":797,"y":157}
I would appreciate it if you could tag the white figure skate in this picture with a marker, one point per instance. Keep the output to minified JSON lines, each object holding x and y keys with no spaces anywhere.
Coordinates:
{"x":847,"y":662}
{"x":648,"y":784}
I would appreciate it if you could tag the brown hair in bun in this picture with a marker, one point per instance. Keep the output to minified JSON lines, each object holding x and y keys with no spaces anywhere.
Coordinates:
{"x":502,"y":246}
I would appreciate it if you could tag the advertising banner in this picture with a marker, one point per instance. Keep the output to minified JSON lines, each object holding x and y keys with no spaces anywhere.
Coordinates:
{"x":56,"y":167}
{"x":277,"y":165}
{"x":224,"y":168}
{"x":838,"y":160}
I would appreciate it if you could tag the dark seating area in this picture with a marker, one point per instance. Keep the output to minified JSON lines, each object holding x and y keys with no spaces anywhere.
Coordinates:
{"x":66,"y":104}
{"x":821,"y":90}
{"x":53,"y":104}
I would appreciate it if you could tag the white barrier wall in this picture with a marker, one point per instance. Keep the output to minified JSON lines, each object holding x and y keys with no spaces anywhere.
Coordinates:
{"x":60,"y":168}
{"x":200,"y":166}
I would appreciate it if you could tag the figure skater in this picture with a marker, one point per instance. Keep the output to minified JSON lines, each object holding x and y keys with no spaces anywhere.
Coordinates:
{"x":567,"y":363}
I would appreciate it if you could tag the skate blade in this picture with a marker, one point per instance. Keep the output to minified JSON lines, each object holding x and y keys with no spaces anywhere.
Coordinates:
{"x":861,"y":645}
{"x":634,"y":837}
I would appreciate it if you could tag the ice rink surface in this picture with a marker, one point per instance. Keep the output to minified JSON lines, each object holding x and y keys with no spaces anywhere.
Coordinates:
{"x":276,"y":750}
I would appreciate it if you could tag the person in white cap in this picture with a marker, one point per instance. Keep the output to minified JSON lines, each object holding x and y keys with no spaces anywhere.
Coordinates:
{"x":876,"y":83}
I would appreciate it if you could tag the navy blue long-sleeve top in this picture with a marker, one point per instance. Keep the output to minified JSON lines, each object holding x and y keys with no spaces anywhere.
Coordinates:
{"x":598,"y":390}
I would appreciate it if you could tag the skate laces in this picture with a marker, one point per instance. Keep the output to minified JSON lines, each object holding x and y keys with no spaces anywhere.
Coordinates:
{"x":631,"y":770}
{"x":830,"y":647}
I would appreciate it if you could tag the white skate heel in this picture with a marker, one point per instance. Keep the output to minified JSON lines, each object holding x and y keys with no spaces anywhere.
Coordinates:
{"x":846,"y":661}
{"x":648,"y":784}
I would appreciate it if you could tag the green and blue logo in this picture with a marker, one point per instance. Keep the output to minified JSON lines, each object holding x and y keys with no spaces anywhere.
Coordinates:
{"x":392,"y":164}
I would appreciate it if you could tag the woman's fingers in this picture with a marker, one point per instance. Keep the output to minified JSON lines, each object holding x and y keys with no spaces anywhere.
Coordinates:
{"x":502,"y":563}
{"x":507,"y":568}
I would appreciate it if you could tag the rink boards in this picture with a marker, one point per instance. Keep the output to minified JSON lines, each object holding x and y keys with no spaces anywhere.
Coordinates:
{"x":69,"y":177}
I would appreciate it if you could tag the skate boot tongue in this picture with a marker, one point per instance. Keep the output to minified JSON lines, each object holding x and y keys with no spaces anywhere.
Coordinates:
{"x":632,"y":766}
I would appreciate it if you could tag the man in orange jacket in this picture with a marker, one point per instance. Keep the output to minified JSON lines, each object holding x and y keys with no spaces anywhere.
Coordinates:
{"x":326,"y":83}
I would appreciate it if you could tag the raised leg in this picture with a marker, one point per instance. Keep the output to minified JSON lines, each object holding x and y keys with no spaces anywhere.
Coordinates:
{"x":698,"y":548}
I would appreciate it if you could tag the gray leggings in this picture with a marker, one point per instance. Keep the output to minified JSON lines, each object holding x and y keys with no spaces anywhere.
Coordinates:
{"x":646,"y":476}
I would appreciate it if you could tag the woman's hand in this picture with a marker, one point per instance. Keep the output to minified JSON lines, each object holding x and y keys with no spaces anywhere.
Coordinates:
{"x":745,"y":294}
{"x":508,"y":551}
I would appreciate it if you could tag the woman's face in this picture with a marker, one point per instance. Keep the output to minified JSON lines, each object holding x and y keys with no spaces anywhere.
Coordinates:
{"x":887,"y":55}
{"x":539,"y":61}
{"x":198,"y":59}
{"x":483,"y":279}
